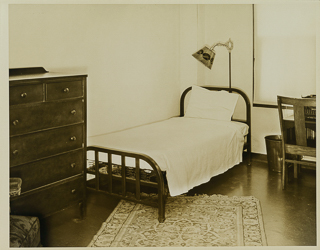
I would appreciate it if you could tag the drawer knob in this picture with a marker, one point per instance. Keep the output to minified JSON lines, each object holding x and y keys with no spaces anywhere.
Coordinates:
{"x":73,"y":112}
{"x":73,"y":138}
{"x":73,"y":165}
{"x":15,"y":152}
{"x":66,"y":90}
{"x":73,"y":191}
{"x":15,"y":122}
{"x":23,"y":95}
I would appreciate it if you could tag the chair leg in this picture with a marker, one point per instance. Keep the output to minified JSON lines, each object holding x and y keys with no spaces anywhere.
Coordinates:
{"x":284,"y":175}
{"x":295,"y":170}
{"x":299,"y":171}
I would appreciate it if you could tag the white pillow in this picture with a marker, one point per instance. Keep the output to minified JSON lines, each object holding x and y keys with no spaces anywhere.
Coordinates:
{"x":216,"y":105}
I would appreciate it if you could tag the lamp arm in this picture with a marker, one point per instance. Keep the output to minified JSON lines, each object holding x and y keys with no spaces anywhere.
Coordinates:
{"x":228,"y":45}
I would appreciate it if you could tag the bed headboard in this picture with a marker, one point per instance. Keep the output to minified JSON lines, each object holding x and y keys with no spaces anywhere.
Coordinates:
{"x":234,"y":90}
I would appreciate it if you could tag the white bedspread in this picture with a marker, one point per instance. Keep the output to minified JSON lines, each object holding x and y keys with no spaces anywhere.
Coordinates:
{"x":190,"y":150}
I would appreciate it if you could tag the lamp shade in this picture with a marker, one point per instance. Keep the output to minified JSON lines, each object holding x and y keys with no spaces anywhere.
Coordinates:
{"x":205,"y":56}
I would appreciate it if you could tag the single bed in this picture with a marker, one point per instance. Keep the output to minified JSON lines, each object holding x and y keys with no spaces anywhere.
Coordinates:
{"x":173,"y":155}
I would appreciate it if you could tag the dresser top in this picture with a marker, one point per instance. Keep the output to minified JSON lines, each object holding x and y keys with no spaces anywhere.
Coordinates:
{"x":44,"y":75}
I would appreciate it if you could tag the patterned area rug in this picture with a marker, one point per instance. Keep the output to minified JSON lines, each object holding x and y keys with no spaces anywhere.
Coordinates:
{"x":191,"y":221}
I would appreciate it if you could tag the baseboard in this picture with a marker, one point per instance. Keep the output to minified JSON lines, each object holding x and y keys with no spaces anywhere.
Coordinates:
{"x":259,"y":157}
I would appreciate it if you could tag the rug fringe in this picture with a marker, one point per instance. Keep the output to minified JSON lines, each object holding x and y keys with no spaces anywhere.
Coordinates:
{"x":261,"y":222}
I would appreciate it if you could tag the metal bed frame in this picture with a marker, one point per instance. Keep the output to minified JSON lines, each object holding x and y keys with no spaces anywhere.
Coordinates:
{"x":136,"y":178}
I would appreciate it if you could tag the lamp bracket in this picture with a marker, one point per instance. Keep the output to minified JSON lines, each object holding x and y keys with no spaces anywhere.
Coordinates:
{"x":228,"y":45}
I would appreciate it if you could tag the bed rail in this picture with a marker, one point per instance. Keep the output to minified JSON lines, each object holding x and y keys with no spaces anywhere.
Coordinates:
{"x":247,"y":145}
{"x":124,"y":179}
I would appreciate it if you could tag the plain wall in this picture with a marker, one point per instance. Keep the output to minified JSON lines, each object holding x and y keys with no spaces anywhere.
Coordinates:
{"x":130,"y":53}
{"x":219,"y":23}
{"x":188,"y":45}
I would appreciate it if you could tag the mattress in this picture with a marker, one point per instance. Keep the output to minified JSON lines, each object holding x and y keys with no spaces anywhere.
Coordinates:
{"x":190,"y":150}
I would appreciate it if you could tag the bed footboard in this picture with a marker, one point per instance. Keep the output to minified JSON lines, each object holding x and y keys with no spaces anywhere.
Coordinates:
{"x":124,"y":181}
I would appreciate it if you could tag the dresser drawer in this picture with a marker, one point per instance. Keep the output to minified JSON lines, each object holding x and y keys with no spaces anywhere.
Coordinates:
{"x":64,"y":90}
{"x":29,"y":147}
{"x":49,"y":170}
{"x":45,"y":115}
{"x":50,"y":199}
{"x":26,"y":94}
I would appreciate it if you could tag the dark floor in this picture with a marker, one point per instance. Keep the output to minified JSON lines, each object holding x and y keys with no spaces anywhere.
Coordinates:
{"x":289,"y":216}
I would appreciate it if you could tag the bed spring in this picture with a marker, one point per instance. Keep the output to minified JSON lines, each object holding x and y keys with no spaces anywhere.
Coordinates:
{"x":134,"y":181}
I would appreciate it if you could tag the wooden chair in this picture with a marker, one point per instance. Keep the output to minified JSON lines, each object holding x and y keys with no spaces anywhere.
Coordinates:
{"x":298,"y":146}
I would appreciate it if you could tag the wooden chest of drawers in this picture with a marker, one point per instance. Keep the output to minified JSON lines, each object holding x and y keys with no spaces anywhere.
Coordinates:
{"x":48,"y":142}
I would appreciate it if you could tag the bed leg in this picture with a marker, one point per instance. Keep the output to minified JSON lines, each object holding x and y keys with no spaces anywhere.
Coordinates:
{"x":161,"y":207}
{"x":161,"y":215}
{"x":161,"y":220}
{"x":249,"y":159}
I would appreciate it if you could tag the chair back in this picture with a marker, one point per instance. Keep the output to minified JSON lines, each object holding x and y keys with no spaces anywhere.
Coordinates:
{"x":298,"y":115}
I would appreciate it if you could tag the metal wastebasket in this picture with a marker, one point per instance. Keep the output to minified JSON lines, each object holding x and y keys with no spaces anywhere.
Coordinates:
{"x":274,"y":152}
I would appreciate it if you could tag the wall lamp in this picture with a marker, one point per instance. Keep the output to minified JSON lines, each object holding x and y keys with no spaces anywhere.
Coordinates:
{"x":206,"y":55}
